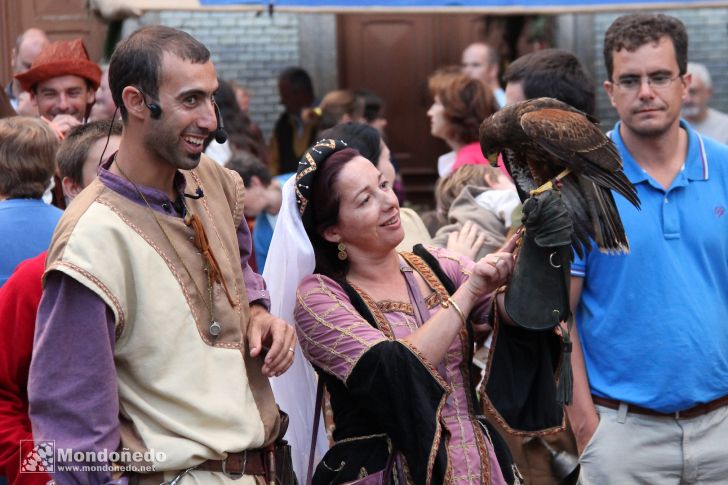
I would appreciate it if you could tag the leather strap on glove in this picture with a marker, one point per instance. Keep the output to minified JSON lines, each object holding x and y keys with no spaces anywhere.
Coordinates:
{"x":537,"y":296}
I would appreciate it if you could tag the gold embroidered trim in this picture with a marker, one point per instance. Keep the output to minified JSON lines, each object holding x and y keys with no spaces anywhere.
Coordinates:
{"x":488,"y":406}
{"x":480,"y":432}
{"x":435,"y":374}
{"x":419,"y":265}
{"x":114,"y":300}
{"x":330,"y":351}
{"x":432,"y":300}
{"x":435,"y":446}
{"x":238,"y":214}
{"x":358,"y":438}
{"x":379,"y":319}
{"x":388,"y":306}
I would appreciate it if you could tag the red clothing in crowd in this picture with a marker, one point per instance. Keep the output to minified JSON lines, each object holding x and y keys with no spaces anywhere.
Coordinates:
{"x":19,"y":299}
{"x":471,"y":154}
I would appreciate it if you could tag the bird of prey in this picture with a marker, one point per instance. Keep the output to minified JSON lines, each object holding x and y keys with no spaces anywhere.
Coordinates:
{"x":545,"y":144}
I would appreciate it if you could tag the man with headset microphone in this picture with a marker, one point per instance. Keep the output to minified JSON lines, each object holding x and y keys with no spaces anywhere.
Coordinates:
{"x":152,"y":331}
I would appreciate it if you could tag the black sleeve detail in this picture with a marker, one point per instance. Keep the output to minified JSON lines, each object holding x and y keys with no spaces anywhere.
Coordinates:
{"x":358,"y":302}
{"x":399,"y":392}
{"x":521,"y":380}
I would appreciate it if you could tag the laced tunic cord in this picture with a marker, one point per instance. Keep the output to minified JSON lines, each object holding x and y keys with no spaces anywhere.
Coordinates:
{"x":211,"y":266}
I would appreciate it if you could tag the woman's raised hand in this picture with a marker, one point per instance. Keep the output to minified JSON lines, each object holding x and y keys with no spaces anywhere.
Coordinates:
{"x":493,"y":270}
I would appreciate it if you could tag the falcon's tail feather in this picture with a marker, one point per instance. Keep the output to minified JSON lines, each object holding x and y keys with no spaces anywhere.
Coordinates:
{"x":613,"y":180}
{"x":607,"y":225}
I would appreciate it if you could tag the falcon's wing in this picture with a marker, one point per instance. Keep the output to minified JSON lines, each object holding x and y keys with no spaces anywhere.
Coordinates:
{"x":571,"y":138}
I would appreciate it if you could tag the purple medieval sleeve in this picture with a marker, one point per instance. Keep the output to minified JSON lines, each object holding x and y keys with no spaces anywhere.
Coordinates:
{"x":254,"y":283}
{"x":72,"y":382}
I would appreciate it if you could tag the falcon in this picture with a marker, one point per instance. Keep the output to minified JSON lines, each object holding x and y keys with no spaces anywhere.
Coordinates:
{"x":547,"y":144}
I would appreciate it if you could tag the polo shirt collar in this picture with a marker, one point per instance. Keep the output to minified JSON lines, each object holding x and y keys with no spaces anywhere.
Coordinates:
{"x":696,"y":163}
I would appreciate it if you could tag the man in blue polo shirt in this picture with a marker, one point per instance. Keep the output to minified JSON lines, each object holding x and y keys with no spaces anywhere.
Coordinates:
{"x":651,"y":373}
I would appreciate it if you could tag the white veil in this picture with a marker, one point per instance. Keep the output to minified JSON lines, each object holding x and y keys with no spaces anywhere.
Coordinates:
{"x":290,"y":259}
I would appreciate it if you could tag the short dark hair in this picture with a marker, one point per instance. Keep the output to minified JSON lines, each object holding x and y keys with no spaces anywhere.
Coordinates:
{"x":373,"y":105}
{"x":635,"y":30}
{"x":248,"y":165}
{"x":554,"y":73}
{"x":325,"y":202}
{"x":74,"y":148}
{"x":298,"y":78}
{"x":359,"y":136}
{"x":136,"y":61}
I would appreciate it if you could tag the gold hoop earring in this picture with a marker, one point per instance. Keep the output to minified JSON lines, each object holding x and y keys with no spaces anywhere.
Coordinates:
{"x":342,"y":251}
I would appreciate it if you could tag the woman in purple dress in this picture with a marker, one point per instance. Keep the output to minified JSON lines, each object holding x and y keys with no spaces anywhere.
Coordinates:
{"x":390,"y":334}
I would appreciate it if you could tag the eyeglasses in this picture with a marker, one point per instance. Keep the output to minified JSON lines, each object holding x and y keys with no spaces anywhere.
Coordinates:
{"x":659,"y":80}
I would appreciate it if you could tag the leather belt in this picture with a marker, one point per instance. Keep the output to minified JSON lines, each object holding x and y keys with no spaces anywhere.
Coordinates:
{"x":693,"y":412}
{"x":250,"y":462}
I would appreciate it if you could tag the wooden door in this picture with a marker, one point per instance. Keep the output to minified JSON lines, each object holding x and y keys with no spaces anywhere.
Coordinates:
{"x":61,"y":19}
{"x":393,"y":55}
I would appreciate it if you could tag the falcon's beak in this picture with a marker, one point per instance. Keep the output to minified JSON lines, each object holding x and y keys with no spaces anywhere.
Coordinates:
{"x":493,"y":159}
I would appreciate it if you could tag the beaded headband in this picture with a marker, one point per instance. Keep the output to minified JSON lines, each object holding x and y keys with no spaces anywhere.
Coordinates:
{"x":311,"y":161}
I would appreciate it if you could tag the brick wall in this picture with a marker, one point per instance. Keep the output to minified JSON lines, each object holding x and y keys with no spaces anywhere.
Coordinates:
{"x":252,"y":50}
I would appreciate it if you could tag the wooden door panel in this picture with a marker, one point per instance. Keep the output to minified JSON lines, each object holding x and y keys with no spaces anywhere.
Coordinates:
{"x":65,"y":19}
{"x":393,"y":55}
{"x":55,"y":8}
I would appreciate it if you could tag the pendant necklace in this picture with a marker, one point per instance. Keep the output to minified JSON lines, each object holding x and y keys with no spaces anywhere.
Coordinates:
{"x":210,"y":264}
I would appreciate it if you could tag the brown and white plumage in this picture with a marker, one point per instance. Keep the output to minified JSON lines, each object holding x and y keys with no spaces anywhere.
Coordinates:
{"x":538,"y":139}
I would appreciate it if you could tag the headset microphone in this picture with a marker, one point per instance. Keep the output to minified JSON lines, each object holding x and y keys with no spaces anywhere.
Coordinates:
{"x":198,"y":194}
{"x":155,"y":110}
{"x":219,"y":134}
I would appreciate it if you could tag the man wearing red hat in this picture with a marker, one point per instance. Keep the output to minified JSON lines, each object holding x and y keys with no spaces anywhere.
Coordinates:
{"x":62,"y":82}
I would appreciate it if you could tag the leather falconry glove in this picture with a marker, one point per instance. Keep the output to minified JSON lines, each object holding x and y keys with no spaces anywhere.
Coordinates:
{"x":537,"y":296}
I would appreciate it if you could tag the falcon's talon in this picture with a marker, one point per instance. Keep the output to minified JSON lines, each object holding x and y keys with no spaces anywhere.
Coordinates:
{"x":553,"y":184}
{"x":540,"y":190}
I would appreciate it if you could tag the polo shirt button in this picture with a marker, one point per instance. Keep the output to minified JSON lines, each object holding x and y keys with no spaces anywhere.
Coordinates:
{"x":667,"y":201}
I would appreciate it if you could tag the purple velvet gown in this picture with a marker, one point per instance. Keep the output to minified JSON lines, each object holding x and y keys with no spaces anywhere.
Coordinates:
{"x":336,"y":338}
